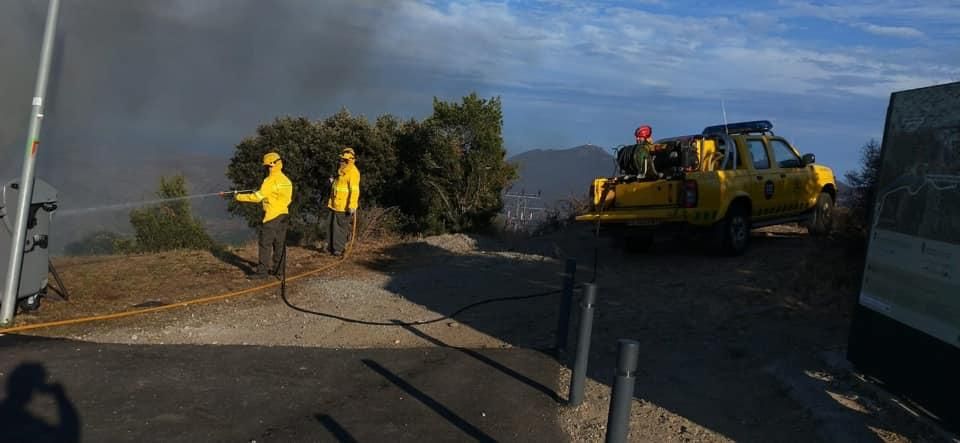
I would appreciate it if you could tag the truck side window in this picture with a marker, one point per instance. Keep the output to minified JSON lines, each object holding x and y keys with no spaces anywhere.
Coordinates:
{"x":783,"y":155}
{"x":731,"y":152}
{"x":759,"y":154}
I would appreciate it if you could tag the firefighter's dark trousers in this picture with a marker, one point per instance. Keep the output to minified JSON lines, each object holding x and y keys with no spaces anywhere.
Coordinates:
{"x":338,"y":232}
{"x":273,"y":235}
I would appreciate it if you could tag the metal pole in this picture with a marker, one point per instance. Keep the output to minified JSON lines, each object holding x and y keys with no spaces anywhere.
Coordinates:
{"x":566,"y":300}
{"x":12,"y":284}
{"x":621,"y":398}
{"x":579,"y":377}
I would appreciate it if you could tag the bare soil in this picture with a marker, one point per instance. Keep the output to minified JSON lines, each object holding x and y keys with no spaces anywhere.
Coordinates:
{"x":732,"y":348}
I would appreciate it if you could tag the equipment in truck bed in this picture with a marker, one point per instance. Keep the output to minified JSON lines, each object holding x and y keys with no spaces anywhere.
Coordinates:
{"x":665,"y":159}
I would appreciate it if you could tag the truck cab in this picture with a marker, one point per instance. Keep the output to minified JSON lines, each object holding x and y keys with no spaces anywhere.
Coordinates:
{"x":725,"y":181}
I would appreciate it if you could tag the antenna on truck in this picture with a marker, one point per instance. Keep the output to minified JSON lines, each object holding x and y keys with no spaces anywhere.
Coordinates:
{"x":723,"y":110}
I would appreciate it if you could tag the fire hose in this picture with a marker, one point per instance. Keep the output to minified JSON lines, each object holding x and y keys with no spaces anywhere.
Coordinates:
{"x":282,"y":284}
{"x":283,"y":295}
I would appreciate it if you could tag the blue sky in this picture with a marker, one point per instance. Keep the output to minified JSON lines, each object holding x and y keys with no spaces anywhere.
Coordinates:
{"x":183,"y":74}
{"x":572,"y":72}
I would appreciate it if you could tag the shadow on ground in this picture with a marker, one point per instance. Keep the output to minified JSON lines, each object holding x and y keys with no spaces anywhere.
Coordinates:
{"x":28,"y":384}
{"x":733,"y":344}
{"x":226,"y":256}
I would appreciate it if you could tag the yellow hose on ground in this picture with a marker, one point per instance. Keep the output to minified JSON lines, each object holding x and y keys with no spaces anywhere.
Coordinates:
{"x":353,"y":234}
{"x":181,"y":304}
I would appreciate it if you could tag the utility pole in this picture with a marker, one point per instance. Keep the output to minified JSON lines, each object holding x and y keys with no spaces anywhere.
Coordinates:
{"x":519,"y":218}
{"x":12,"y":284}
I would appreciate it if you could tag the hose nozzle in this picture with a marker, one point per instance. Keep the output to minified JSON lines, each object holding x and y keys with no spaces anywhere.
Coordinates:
{"x":234,"y":192}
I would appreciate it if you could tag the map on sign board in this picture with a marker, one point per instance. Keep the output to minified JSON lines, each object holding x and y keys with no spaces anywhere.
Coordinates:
{"x":912,"y":271}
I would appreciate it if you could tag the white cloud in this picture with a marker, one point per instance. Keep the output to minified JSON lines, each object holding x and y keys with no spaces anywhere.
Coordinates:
{"x":891,"y":31}
{"x":587,"y":48}
{"x":892,"y":18}
{"x":764,"y":22}
{"x":842,"y":10}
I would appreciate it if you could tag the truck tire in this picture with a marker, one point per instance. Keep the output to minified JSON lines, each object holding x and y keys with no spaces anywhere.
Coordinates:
{"x":732,"y":234}
{"x":821,"y":222}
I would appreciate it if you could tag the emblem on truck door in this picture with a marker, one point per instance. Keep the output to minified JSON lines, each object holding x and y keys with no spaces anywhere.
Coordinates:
{"x":768,"y":189}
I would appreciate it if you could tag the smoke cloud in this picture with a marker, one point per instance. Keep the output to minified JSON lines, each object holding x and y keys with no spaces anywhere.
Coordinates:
{"x":144,"y":88}
{"x":161,"y":69}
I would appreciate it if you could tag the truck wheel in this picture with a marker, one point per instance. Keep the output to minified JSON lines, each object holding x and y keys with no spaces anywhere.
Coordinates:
{"x":821,"y":222}
{"x":31,"y":303}
{"x":732,"y":234}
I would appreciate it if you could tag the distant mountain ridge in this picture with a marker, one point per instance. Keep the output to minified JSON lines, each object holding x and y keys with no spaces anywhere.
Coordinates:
{"x":560,"y":174}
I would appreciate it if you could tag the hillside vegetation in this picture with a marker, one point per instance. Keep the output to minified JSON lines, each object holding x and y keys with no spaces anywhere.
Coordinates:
{"x":445,"y":173}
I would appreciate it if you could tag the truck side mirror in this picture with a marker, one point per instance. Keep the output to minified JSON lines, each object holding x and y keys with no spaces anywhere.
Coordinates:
{"x":809,"y":159}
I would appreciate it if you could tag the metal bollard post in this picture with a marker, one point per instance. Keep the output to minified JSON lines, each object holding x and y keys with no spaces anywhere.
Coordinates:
{"x":579,"y":376}
{"x":621,"y":398}
{"x":566,"y":300}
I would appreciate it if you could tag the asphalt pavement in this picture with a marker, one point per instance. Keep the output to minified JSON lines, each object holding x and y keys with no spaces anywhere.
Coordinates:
{"x":61,"y":390}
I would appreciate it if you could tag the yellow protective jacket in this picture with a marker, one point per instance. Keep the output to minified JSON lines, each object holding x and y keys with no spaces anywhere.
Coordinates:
{"x":275,"y":193}
{"x":345,"y":190}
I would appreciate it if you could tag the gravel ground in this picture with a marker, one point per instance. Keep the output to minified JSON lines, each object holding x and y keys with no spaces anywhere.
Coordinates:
{"x":407,"y":288}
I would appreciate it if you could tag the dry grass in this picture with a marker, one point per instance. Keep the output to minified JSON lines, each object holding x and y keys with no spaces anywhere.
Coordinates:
{"x":377,"y":222}
{"x":107,"y":284}
{"x":562,"y":214}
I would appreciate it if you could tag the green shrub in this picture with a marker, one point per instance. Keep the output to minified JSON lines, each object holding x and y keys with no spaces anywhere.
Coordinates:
{"x":168,"y":224}
{"x":97,"y":243}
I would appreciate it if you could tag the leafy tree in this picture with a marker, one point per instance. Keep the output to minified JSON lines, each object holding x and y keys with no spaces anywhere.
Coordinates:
{"x":864,"y":181}
{"x":454,"y":166}
{"x":375,"y":145}
{"x":297,"y":140}
{"x":169,"y":224}
{"x":310,"y":152}
{"x":445,"y":173}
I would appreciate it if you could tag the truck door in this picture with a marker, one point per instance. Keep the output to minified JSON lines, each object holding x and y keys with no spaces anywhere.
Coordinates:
{"x":766,"y":179}
{"x":792,"y":174}
{"x":732,"y":168}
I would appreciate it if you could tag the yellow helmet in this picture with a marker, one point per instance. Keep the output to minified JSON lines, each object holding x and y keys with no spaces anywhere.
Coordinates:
{"x":348,"y":154}
{"x":270,"y":157}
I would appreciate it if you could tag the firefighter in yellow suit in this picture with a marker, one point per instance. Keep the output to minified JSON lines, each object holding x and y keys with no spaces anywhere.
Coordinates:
{"x":275,"y":195}
{"x":344,"y":198}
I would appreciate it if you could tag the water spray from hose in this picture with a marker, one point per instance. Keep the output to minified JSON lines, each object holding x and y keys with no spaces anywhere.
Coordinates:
{"x":135,"y":204}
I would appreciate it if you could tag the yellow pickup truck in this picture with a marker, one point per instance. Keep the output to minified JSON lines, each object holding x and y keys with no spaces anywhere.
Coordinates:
{"x":724,"y":182}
